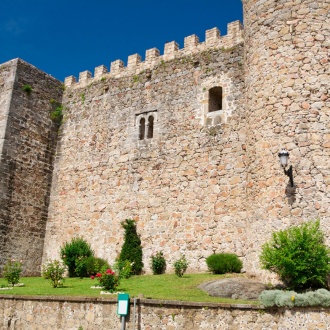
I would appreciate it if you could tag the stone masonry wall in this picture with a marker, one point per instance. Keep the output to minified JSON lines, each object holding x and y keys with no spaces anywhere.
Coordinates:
{"x":7,"y":77}
{"x":28,"y":138}
{"x":34,"y":313}
{"x":184,"y":187}
{"x":288,"y":106}
{"x":205,"y":181}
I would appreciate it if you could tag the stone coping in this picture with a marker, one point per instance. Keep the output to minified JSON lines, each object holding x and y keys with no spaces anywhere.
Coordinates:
{"x":144,"y":301}
{"x":158,"y":303}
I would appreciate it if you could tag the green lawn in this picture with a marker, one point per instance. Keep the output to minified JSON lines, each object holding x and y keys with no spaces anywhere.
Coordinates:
{"x":165,"y":287}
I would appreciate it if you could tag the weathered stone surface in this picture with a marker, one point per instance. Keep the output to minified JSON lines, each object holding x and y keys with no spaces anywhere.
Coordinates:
{"x":29,"y":313}
{"x":235,"y":288}
{"x":27,"y":147}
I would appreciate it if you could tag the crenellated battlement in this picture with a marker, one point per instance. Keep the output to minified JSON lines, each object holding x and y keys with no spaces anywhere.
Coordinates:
{"x":135,"y":65}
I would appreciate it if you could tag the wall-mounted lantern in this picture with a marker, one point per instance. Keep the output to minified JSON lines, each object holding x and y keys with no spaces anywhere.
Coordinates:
{"x":284,"y":160}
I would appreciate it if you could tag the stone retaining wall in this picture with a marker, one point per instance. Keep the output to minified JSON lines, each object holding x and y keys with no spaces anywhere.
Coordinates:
{"x":33,"y":313}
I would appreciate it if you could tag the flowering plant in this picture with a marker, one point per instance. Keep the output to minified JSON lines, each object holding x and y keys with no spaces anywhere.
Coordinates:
{"x":108,"y":279}
{"x":12,"y":271}
{"x":54,"y":270}
{"x":181,"y":265}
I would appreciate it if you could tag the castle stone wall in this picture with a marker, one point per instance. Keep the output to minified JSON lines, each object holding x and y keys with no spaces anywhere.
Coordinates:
{"x":7,"y":77}
{"x":288,"y":106}
{"x":140,"y":142}
{"x":28,"y":138}
{"x":184,"y":187}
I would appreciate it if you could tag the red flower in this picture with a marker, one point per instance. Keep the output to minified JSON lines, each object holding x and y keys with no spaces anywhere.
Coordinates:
{"x":109,"y":271}
{"x":98,"y":275}
{"x":92,"y":277}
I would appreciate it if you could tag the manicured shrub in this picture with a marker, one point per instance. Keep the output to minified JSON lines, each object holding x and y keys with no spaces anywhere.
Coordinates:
{"x":54,"y":270}
{"x":181,"y":265}
{"x":131,"y":249}
{"x":74,"y":255}
{"x":222,"y":263}
{"x":299,"y":256}
{"x":12,"y":271}
{"x":94,"y":265}
{"x":158,"y":263}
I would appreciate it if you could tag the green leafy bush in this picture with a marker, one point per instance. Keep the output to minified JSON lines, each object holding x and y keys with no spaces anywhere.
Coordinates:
{"x":222,"y":263}
{"x":123,"y":268}
{"x":54,"y":270}
{"x":299,"y":256}
{"x":131,"y":249}
{"x":12,"y":271}
{"x":181,"y":265}
{"x":94,"y":265}
{"x":158,"y":263}
{"x":320,"y":297}
{"x":74,"y":255}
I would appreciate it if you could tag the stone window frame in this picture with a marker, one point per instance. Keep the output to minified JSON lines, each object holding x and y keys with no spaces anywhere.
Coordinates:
{"x":219,"y":117}
{"x":146,"y":123}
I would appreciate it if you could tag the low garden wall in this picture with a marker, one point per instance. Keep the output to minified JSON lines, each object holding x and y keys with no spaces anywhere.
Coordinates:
{"x":69,"y":313}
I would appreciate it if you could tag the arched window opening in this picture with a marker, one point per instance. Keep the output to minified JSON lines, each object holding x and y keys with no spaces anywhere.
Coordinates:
{"x":150,"y":127}
{"x":215,"y":99}
{"x":142,"y":128}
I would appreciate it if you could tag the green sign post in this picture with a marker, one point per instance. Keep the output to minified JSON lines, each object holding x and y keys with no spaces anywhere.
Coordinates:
{"x":123,"y":307}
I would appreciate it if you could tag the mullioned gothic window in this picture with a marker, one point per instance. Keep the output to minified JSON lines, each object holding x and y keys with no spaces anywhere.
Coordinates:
{"x":146,"y":125}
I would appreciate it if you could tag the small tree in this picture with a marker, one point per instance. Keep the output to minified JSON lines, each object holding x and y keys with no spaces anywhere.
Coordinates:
{"x":131,"y":249}
{"x":299,"y":256}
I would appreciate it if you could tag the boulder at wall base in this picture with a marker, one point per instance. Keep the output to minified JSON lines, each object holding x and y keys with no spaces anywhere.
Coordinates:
{"x":235,"y":288}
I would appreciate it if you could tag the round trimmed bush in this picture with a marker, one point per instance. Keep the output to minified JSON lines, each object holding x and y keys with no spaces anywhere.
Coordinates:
{"x":221,"y":263}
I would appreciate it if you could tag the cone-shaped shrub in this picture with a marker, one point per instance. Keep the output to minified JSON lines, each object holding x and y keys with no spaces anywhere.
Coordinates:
{"x":131,"y":249}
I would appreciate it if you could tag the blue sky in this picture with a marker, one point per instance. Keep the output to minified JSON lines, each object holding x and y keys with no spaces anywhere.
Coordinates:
{"x":65,"y":37}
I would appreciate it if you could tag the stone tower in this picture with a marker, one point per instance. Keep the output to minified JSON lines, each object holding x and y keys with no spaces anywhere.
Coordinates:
{"x":287,"y":98}
{"x":27,"y":146}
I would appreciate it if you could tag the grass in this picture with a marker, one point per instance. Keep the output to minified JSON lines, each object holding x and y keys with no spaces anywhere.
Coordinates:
{"x":164,"y":287}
